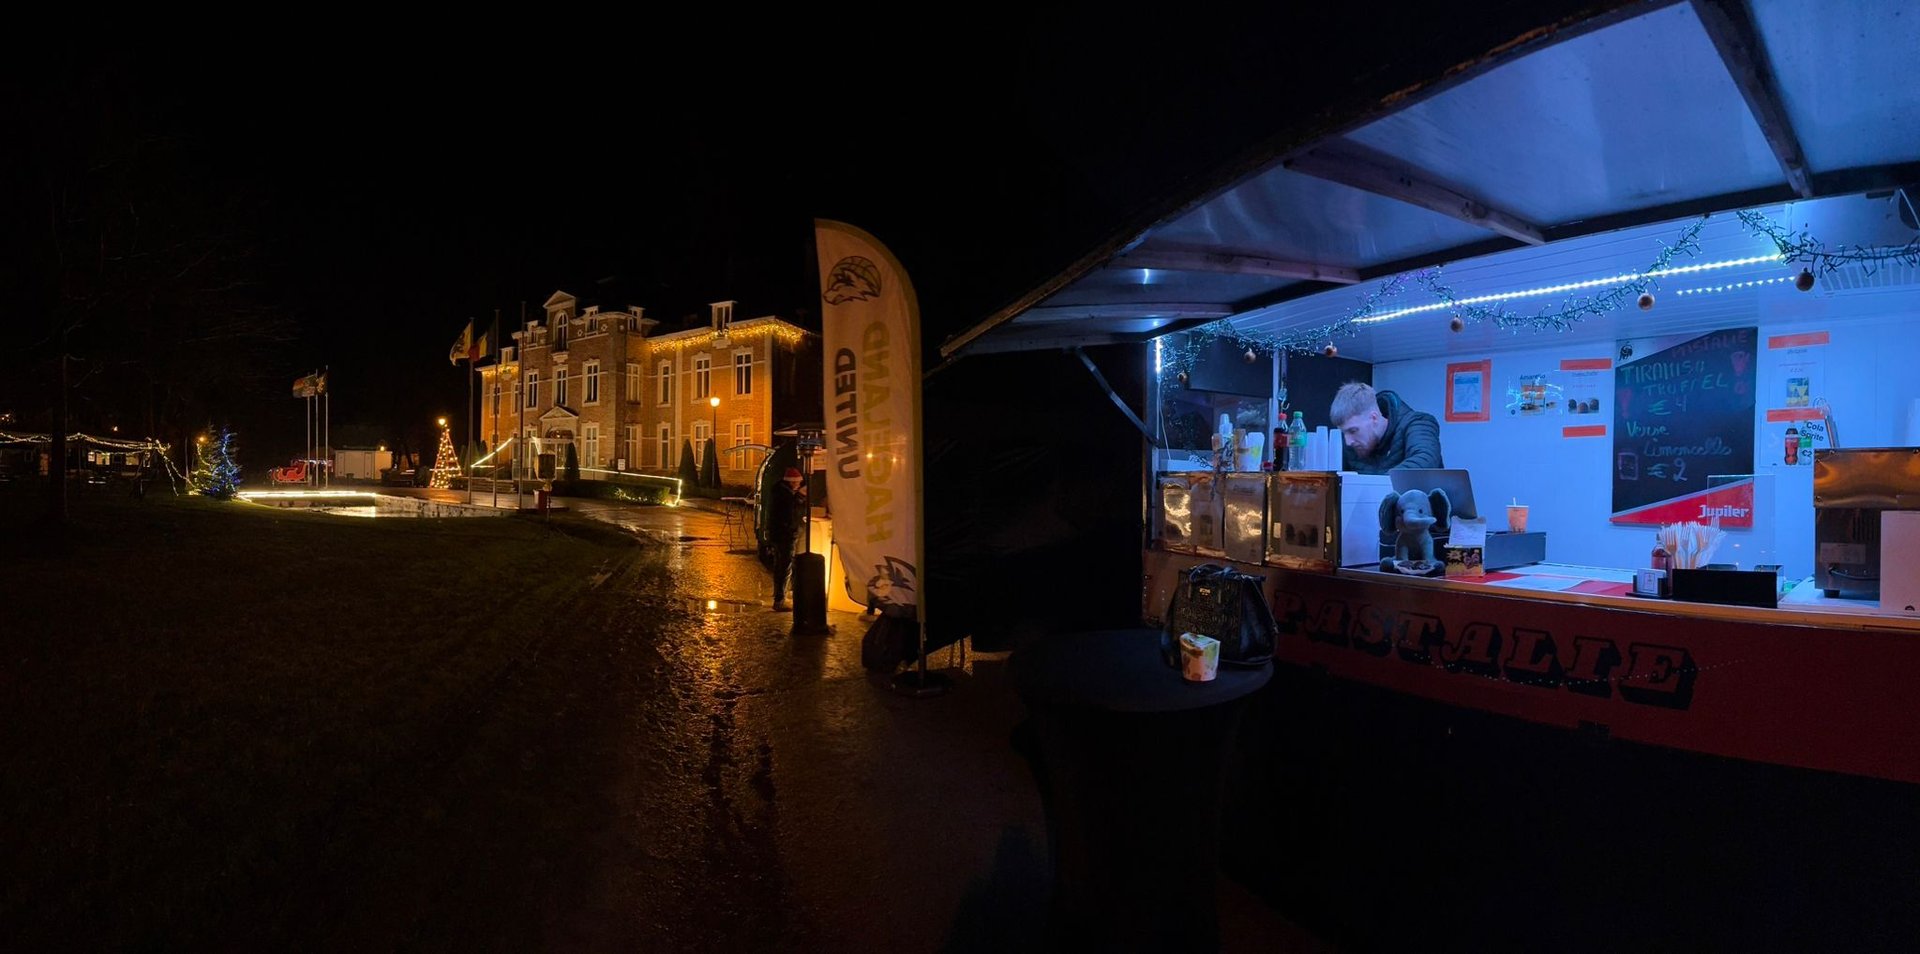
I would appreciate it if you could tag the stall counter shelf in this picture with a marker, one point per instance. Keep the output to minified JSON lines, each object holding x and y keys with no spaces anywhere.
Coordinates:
{"x":1804,"y":685}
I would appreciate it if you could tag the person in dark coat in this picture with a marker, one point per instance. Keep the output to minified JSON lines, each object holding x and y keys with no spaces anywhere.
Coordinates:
{"x":1381,"y":432}
{"x":785,"y":512}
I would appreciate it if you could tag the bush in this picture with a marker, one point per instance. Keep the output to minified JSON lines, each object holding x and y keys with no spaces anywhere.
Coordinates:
{"x":612,"y":490}
{"x":689,"y":475}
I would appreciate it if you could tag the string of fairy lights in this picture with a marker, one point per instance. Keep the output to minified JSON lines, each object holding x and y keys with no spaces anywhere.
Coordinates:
{"x":1584,"y":300}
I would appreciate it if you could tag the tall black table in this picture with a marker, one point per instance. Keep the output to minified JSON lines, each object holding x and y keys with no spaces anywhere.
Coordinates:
{"x":1132,"y":764}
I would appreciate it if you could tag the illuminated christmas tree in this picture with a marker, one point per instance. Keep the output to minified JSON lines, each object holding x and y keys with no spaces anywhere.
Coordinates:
{"x":217,"y":475}
{"x":446,"y":465}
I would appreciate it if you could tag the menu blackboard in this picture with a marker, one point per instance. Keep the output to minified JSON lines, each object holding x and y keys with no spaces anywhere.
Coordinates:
{"x":1683,"y":409}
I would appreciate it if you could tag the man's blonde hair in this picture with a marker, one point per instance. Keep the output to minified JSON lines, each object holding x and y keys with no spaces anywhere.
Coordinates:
{"x":1354,"y":399}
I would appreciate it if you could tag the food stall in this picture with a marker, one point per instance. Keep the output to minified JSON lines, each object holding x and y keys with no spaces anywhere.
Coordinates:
{"x":1642,"y":316}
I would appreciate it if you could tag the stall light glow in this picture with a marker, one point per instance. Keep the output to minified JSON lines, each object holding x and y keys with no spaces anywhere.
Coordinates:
{"x":1570,"y":286}
{"x":1159,"y":356}
{"x":297,"y":494}
{"x":1146,"y":276}
{"x":503,"y":446}
{"x":1734,"y":286}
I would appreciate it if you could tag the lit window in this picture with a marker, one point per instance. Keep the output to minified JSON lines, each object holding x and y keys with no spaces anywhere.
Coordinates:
{"x":633,"y":382}
{"x":666,"y":447}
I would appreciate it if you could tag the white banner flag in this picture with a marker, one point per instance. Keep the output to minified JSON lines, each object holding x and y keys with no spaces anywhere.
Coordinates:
{"x":870,"y":329}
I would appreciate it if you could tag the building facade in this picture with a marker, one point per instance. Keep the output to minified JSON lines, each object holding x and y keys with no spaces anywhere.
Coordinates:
{"x":626,"y":396}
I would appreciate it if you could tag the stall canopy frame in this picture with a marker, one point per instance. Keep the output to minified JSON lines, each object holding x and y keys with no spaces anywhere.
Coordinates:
{"x":1580,"y":144}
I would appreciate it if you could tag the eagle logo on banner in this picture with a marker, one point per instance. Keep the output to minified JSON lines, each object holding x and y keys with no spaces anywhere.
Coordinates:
{"x":893,"y":585}
{"x":853,"y":279}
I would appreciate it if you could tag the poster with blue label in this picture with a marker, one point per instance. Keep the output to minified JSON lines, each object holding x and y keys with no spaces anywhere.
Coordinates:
{"x":1682,"y":411}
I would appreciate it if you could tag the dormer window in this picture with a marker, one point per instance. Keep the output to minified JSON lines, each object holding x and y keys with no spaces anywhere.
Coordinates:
{"x":592,"y":315}
{"x":560,"y":332}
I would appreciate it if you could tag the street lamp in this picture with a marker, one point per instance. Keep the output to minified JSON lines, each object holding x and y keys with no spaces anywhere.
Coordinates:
{"x":713,"y":435}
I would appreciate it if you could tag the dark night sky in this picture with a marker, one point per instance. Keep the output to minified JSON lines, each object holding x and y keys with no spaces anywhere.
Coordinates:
{"x":392,"y":187}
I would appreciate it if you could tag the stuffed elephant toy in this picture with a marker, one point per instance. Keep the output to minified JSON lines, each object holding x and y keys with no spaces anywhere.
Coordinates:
{"x":1410,"y":516}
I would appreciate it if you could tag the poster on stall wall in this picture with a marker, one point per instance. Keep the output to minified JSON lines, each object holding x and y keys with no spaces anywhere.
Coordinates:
{"x":870,"y":336}
{"x":1683,"y":411}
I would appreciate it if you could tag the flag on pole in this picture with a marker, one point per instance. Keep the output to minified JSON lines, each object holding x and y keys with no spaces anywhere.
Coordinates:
{"x":319,"y":383}
{"x":479,"y":348}
{"x":312,"y":385}
{"x":462,"y":346}
{"x":870,"y":328}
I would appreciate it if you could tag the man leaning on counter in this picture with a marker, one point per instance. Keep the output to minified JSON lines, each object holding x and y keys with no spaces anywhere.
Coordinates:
{"x":1382,"y":432}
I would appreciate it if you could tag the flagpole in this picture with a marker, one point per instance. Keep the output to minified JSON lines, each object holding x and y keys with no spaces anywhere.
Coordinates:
{"x":520,"y":413}
{"x":327,"y":394}
{"x":471,"y":371}
{"x":306,"y":451}
{"x":494,"y":342}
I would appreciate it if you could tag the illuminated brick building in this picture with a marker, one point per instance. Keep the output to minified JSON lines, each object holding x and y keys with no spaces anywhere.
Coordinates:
{"x":626,"y":395}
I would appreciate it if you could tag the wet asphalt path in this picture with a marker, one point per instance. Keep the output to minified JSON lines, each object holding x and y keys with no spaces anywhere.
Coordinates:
{"x":650,"y":775}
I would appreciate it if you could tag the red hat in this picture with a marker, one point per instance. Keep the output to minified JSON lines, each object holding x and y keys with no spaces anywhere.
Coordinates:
{"x":793,"y":473}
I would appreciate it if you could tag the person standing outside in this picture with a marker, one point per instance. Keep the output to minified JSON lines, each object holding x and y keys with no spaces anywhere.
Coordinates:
{"x":1382,"y":432}
{"x":785,"y":513}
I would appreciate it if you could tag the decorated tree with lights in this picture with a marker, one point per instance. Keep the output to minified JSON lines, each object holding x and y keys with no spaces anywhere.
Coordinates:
{"x":445,"y":462}
{"x":216,"y":474}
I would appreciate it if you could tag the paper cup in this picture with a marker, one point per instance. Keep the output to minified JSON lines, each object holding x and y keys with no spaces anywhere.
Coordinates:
{"x":1517,"y":518}
{"x":1199,"y":657}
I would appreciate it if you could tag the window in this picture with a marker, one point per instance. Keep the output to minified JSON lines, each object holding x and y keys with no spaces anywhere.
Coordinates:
{"x":633,"y":382}
{"x":533,"y":389}
{"x":702,"y":432}
{"x":560,"y":386}
{"x":593,"y":323}
{"x":742,"y":433}
{"x":702,"y":376}
{"x":592,"y":434}
{"x":666,"y":461}
{"x":633,"y":446}
{"x":529,"y":449}
{"x":743,"y":372}
{"x":590,"y":381}
{"x":560,"y":332}
{"x":666,"y":383}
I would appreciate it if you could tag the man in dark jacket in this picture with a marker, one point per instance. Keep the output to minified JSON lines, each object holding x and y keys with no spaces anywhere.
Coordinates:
{"x":1381,"y":432}
{"x":784,"y":513}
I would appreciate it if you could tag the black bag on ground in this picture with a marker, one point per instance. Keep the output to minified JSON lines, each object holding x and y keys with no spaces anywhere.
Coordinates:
{"x":1217,"y":601}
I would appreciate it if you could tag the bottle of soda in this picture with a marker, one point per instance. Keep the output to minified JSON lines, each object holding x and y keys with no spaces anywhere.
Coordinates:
{"x":1297,"y":442}
{"x":1279,"y":449}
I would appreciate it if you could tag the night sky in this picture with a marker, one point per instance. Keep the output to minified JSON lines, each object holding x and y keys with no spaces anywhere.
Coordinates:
{"x":374,"y":191}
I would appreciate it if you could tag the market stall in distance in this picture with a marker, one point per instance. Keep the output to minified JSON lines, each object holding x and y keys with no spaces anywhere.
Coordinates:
{"x":1654,"y":268}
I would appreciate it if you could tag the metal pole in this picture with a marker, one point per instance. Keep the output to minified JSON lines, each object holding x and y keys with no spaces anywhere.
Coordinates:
{"x":307,"y":450}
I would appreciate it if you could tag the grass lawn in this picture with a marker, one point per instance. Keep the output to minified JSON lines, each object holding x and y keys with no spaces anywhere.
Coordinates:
{"x":189,"y":689}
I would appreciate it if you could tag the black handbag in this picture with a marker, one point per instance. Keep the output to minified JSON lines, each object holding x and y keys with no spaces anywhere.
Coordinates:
{"x":1217,"y":601}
